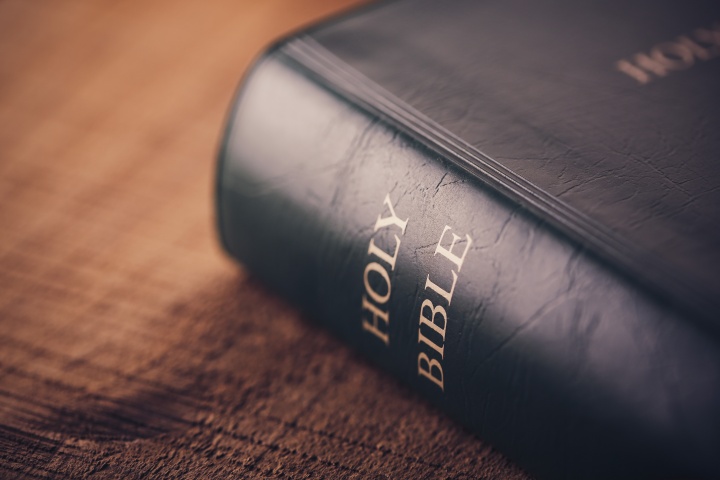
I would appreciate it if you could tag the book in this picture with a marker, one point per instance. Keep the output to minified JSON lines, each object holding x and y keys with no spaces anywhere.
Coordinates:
{"x":511,"y":206}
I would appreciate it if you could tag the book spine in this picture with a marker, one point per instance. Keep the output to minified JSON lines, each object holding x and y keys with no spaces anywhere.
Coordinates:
{"x":540,"y":348}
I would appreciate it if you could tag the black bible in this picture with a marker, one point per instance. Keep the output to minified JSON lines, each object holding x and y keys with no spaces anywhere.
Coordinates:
{"x":514,"y":207}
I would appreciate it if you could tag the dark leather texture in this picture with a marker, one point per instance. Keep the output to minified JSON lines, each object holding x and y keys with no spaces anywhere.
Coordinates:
{"x":533,"y":85}
{"x":560,"y":362}
{"x":552,"y":352}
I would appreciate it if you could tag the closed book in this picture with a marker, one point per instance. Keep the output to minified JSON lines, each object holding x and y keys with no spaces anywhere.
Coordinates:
{"x":514,"y":207}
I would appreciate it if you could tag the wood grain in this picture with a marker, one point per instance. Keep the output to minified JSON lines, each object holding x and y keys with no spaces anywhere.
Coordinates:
{"x":130,"y":346}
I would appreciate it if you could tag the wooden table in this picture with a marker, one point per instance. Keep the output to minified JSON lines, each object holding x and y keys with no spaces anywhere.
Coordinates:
{"x":130,"y":346}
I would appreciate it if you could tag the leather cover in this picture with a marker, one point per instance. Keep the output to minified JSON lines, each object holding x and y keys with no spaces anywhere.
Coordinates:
{"x":482,"y":198}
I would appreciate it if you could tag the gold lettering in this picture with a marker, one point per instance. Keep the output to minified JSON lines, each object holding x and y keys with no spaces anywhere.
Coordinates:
{"x":376,"y":267}
{"x":374,"y":250}
{"x":374,"y":326}
{"x":430,"y":322}
{"x":710,"y":37}
{"x":393,"y":219}
{"x":674,"y":56}
{"x":678,"y":55}
{"x":651,"y":65}
{"x":709,"y":40}
{"x":695,"y":48}
{"x":443,"y":293}
{"x":380,"y":324}
{"x":635,"y":72}
{"x":427,"y":372}
{"x":447,"y":252}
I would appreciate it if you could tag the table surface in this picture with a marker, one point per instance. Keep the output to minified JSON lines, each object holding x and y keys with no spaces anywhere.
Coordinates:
{"x":130,"y":346}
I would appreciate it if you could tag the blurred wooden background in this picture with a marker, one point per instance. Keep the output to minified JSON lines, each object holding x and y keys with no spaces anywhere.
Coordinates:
{"x":130,"y":347}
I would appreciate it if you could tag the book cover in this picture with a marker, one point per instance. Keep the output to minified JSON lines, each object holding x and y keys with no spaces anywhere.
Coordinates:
{"x":510,"y":205}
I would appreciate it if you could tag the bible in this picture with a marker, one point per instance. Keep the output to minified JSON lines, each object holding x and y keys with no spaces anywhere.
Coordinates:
{"x":513,"y":207}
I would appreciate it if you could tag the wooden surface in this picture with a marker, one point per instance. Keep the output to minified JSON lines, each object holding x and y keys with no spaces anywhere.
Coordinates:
{"x":130,"y":346}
